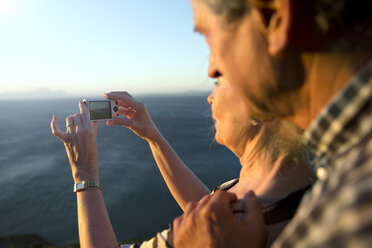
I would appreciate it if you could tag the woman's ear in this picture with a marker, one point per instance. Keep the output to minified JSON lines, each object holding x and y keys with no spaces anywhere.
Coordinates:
{"x":278,"y":27}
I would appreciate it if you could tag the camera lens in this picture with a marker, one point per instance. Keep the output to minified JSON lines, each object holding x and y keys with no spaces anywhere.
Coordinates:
{"x":115,"y":109}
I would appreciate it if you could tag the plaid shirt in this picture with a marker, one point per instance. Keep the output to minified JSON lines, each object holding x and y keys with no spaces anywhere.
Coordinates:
{"x":338,"y":210}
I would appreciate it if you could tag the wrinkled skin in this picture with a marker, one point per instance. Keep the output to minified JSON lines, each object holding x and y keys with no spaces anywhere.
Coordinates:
{"x":211,"y":223}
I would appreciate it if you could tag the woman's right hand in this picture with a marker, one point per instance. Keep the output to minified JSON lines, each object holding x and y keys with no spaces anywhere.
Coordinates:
{"x":138,"y":120}
{"x":80,"y":143}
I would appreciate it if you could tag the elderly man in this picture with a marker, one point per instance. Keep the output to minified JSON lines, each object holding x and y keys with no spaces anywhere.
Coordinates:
{"x":308,"y":62}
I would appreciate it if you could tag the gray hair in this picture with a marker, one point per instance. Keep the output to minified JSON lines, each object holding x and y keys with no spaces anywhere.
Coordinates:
{"x":230,"y":10}
{"x":336,"y":18}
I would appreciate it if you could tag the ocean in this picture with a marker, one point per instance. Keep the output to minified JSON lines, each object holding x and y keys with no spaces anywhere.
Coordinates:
{"x":36,"y":185}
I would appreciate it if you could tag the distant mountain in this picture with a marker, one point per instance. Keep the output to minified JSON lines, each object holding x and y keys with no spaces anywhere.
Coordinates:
{"x":34,"y":93}
{"x":184,"y":93}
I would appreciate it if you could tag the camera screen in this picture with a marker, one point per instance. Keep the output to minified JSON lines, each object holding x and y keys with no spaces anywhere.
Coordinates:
{"x":100,"y":110}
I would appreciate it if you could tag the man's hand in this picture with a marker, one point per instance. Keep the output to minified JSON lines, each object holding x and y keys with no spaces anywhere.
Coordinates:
{"x":211,"y":223}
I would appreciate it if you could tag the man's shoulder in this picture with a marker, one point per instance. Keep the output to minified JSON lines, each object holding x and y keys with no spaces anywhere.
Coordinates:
{"x":360,"y":151}
{"x":336,"y":213}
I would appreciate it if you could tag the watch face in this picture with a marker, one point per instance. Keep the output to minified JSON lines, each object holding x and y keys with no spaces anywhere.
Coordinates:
{"x":79,"y":186}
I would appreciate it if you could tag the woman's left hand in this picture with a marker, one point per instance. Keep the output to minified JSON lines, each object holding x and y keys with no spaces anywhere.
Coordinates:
{"x":137,"y":119}
{"x":80,"y":143}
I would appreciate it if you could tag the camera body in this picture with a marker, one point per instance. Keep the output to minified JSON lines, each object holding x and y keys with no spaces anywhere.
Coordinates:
{"x":102,"y":109}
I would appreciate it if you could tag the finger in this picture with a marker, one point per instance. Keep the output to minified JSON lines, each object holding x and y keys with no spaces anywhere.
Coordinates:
{"x":125,"y":100}
{"x":177,"y":222}
{"x":252,"y":208}
{"x":129,"y":113}
{"x":125,"y":93}
{"x":84,"y":113}
{"x":120,"y":122}
{"x":124,"y":111}
{"x":69,"y":123}
{"x":190,"y":207}
{"x":78,"y":121}
{"x":224,"y":197}
{"x":56,"y":130}
{"x":204,"y":200}
{"x":221,"y":201}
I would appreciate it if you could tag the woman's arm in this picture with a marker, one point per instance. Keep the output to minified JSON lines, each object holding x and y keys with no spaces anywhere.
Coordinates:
{"x":95,"y":229}
{"x":182,"y":183}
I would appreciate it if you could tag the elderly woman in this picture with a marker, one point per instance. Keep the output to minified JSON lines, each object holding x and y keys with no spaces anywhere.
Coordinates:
{"x":271,"y":154}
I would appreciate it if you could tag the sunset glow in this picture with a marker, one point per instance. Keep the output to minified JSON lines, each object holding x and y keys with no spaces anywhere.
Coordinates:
{"x":5,"y":5}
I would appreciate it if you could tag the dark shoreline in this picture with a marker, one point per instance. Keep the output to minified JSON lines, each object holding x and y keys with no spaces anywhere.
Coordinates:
{"x":29,"y":240}
{"x":36,"y":241}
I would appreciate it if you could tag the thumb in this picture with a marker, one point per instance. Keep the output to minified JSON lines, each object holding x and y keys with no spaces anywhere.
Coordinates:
{"x":253,"y":217}
{"x":252,"y":209}
{"x":120,"y":122}
{"x":56,"y":130}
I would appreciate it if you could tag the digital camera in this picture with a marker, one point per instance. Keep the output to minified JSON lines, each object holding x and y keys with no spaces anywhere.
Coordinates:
{"x":102,"y":109}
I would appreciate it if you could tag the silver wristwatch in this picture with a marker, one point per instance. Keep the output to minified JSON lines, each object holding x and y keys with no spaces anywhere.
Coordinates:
{"x":83,"y":185}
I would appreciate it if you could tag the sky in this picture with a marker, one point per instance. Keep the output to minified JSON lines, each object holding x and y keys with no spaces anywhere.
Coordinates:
{"x":56,"y":48}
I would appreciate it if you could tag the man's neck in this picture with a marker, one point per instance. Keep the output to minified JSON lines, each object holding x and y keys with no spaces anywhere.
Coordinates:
{"x":326,"y":75}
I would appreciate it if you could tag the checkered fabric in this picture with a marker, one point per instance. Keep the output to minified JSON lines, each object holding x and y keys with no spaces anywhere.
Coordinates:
{"x":338,"y":210}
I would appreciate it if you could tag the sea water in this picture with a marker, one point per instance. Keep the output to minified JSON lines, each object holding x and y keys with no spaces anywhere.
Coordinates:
{"x":35,"y":177}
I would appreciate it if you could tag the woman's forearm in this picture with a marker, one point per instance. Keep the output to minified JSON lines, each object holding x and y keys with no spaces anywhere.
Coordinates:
{"x":184,"y":185}
{"x":95,"y":229}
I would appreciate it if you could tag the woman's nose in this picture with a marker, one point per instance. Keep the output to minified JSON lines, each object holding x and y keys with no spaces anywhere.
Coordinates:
{"x":210,"y":98}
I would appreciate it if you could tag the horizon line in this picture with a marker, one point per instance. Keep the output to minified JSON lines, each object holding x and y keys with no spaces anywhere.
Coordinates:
{"x":70,"y":96}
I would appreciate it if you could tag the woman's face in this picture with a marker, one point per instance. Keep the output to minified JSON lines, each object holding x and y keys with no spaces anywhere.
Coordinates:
{"x":231,"y":116}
